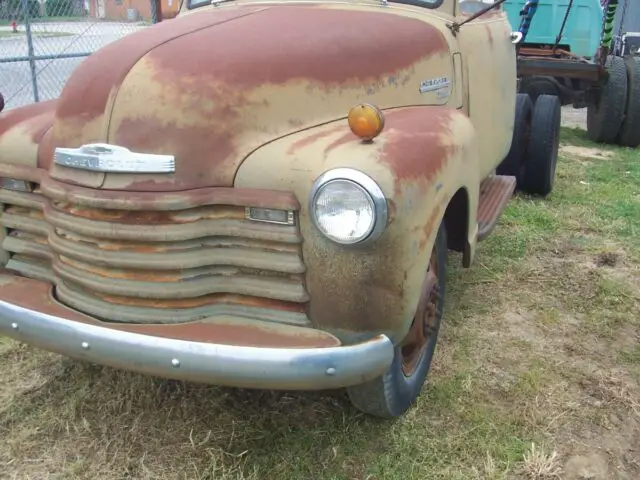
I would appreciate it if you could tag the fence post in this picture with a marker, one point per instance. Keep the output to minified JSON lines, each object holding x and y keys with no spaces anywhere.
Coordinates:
{"x":156,"y":11}
{"x":32,"y":61}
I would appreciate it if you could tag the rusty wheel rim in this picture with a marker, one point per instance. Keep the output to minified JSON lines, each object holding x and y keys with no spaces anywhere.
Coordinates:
{"x":424,"y":323}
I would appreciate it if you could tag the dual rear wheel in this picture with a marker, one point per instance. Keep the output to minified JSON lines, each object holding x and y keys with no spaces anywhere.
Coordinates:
{"x":533,"y":156}
{"x":613,"y":113}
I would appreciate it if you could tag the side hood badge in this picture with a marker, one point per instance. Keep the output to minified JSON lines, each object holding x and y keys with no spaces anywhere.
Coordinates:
{"x":102,"y":157}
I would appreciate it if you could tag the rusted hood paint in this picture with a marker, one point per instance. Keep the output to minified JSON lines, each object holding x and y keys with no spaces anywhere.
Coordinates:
{"x":213,"y":86}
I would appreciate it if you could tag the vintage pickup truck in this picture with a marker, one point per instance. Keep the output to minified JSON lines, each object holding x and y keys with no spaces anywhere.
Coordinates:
{"x":263,"y":194}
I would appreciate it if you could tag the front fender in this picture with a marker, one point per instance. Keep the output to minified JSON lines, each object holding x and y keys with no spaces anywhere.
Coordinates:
{"x":423,"y":156}
{"x":25,"y":134}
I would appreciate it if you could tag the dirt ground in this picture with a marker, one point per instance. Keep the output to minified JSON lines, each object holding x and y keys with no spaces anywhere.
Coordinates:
{"x":574,"y":117}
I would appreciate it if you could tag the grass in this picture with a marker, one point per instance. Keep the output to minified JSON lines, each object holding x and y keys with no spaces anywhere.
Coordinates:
{"x":536,"y":376}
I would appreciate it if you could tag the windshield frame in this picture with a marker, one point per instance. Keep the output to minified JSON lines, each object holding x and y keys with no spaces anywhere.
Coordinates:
{"x":430,"y":4}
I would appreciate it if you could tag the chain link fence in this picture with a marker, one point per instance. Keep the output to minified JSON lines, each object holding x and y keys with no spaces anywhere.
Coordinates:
{"x":43,"y":41}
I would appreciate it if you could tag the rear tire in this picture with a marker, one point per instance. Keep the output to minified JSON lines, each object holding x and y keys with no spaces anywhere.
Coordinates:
{"x":393,"y":393}
{"x":513,"y":164}
{"x":536,"y":86}
{"x":605,"y":115}
{"x":629,"y":135}
{"x":542,"y":156}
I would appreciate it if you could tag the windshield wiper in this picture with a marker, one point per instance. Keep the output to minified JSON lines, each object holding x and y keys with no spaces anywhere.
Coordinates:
{"x":455,"y":26}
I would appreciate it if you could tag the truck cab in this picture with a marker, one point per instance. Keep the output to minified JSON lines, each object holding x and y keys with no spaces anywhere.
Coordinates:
{"x":262,"y":194}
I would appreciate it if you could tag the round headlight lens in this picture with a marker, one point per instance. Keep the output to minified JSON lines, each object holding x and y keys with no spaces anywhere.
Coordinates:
{"x":344,"y":211}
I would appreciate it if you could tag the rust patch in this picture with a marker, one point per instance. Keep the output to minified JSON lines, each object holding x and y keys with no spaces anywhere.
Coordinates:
{"x":154,"y":217}
{"x":45,"y":150}
{"x":391,"y":210}
{"x":203,"y":301}
{"x":418,"y":142}
{"x":36,"y":295}
{"x":275,"y":45}
{"x":368,"y":290}
{"x":114,"y":199}
{"x":362,"y":302}
{"x":495,"y":193}
{"x":168,"y":276}
{"x":240,"y":334}
{"x":24,"y":212}
{"x":203,"y":151}
{"x":39,"y":125}
{"x":430,"y":226}
{"x":87,"y":91}
{"x":21,"y":172}
{"x":314,"y":137}
{"x":36,"y":118}
{"x":158,"y":276}
{"x":346,"y":138}
{"x":223,"y":89}
{"x":202,"y":245}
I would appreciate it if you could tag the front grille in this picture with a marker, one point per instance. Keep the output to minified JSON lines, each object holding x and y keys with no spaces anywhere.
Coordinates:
{"x":157,"y":266}
{"x":26,"y":233}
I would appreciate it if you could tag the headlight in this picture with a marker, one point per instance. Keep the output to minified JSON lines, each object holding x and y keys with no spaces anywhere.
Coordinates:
{"x":348,"y":207}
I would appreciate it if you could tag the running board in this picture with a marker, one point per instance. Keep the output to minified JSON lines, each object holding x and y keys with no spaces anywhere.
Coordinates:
{"x":495,"y":193}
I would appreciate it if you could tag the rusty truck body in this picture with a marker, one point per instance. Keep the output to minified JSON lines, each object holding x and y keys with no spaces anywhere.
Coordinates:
{"x":262,"y":194}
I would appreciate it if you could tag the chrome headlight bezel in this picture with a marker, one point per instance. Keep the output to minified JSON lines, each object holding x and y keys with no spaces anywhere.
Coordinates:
{"x":369,"y":186}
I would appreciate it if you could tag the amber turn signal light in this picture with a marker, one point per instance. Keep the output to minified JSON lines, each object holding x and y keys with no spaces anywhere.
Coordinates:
{"x":366,"y":121}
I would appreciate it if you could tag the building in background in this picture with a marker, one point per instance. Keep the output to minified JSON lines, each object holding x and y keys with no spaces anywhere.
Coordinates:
{"x":131,"y":10}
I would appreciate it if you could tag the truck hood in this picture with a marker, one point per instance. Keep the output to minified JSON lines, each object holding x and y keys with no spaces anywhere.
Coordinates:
{"x":211,"y":86}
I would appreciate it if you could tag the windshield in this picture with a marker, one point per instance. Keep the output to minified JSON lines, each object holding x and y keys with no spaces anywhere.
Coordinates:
{"x":423,"y":3}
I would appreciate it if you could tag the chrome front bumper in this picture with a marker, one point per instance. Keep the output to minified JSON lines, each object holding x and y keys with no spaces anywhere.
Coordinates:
{"x":238,"y":366}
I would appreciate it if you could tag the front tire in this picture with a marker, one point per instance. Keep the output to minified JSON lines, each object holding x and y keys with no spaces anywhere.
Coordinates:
{"x":393,"y":393}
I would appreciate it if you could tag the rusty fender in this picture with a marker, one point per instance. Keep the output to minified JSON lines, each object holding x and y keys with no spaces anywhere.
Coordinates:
{"x":421,"y":159}
{"x":25,"y":134}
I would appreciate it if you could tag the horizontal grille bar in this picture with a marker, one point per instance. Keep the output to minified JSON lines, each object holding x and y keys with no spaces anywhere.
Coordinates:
{"x":177,"y":255}
{"x":179,"y":311}
{"x":175,"y":284}
{"x":171,"y":232}
{"x":156,"y":266}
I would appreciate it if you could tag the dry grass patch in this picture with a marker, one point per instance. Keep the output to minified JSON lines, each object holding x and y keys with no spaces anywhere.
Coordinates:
{"x":537,"y":375}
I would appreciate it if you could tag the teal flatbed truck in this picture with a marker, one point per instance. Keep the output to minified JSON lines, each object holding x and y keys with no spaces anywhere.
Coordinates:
{"x":581,"y":34}
{"x":567,"y":49}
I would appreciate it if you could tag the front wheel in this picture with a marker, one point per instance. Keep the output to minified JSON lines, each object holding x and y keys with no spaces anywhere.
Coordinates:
{"x":391,"y":394}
